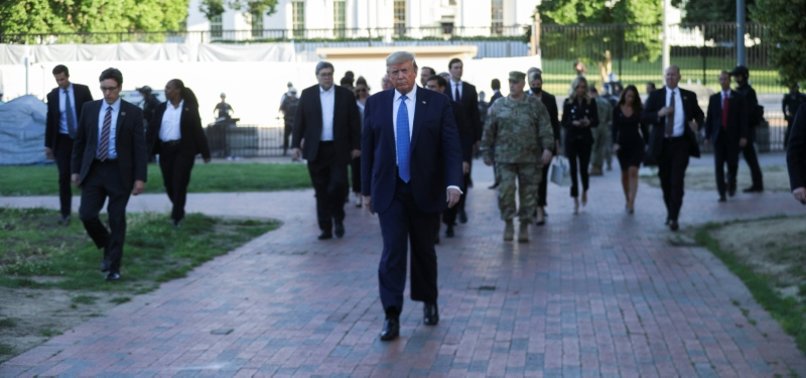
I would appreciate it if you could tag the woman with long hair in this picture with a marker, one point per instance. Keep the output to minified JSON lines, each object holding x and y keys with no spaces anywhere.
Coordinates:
{"x":177,"y":136}
{"x":579,"y":115}
{"x":629,"y":139}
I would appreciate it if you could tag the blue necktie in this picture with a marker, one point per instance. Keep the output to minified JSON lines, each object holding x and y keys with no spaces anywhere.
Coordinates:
{"x":68,"y":112}
{"x":403,"y":140}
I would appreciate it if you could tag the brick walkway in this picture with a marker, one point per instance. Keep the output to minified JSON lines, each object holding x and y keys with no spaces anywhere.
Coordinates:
{"x":602,"y":293}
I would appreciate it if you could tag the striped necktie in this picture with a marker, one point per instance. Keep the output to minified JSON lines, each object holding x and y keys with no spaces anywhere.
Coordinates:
{"x":103,"y":147}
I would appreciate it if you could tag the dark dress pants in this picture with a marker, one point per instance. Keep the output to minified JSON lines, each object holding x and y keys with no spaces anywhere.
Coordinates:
{"x":725,"y":153}
{"x":102,"y":182}
{"x":578,"y":151}
{"x":402,"y":223}
{"x":355,"y":174}
{"x":542,"y":188}
{"x":176,"y":167}
{"x":449,"y":215}
{"x":750,"y":156}
{"x":329,"y":179}
{"x":672,"y":173}
{"x":63,"y":155}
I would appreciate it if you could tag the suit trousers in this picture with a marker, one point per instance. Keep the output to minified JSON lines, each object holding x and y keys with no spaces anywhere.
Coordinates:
{"x":103,"y":181}
{"x":751,"y":157}
{"x":176,"y":167}
{"x":449,"y":215}
{"x":672,"y":173}
{"x":578,"y":151}
{"x":402,"y":223}
{"x":725,"y":154}
{"x":63,"y":155}
{"x":355,"y":174}
{"x":329,"y":179}
{"x":542,"y":188}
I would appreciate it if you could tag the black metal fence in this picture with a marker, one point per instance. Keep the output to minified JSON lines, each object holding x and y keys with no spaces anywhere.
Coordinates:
{"x":633,"y":54}
{"x":253,"y":141}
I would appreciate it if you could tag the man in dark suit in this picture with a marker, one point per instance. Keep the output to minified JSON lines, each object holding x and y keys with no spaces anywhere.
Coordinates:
{"x":754,"y":117}
{"x":796,"y":156}
{"x":438,"y":84}
{"x":675,"y":116}
{"x":64,"y":111}
{"x":536,"y":89}
{"x":726,"y":127}
{"x":495,"y":84}
{"x":465,"y":94}
{"x":410,"y":168}
{"x":109,"y":160}
{"x":327,"y":134}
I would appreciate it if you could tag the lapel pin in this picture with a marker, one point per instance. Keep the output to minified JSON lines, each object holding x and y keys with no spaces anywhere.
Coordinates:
{"x":122,"y":113}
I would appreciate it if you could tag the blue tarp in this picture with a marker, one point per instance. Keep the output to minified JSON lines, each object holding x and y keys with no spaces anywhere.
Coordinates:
{"x":22,"y":131}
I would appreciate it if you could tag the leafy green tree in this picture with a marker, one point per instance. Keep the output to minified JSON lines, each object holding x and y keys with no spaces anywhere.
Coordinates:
{"x":26,"y":17}
{"x":703,"y":11}
{"x":786,"y":34}
{"x":606,"y":29}
{"x":212,"y":8}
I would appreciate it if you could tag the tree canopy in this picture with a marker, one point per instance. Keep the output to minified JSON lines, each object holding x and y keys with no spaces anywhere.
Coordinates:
{"x":786,"y":34}
{"x":703,"y":11}
{"x":27,"y":17}
{"x":212,"y":8}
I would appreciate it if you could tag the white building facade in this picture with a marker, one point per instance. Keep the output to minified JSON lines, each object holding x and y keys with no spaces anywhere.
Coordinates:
{"x":333,"y":19}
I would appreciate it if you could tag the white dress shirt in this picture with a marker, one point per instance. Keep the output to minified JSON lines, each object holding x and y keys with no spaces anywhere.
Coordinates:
{"x":169,"y":128}
{"x":328,"y":100}
{"x":679,"y":118}
{"x":113,"y":153}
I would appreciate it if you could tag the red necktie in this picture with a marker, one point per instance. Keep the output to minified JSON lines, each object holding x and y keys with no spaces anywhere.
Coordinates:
{"x":725,"y":107}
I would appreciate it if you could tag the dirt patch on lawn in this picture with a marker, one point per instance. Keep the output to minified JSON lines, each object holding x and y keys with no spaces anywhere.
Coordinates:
{"x":29,"y":317}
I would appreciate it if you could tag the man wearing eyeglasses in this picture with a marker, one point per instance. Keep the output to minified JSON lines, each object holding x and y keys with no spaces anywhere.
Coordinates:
{"x":327,"y":134}
{"x":109,"y":160}
{"x":64,"y":110}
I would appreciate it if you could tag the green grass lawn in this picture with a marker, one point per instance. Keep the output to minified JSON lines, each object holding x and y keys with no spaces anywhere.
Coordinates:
{"x":36,"y":254}
{"x":29,"y":180}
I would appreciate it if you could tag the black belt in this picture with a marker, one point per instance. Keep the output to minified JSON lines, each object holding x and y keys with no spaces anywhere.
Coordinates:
{"x":171,"y":143}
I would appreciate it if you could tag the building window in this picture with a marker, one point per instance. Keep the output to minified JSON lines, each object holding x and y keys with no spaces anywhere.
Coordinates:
{"x":400,"y":17}
{"x":298,"y":18}
{"x":216,"y":28}
{"x":339,"y":18}
{"x":257,"y":24}
{"x":497,"y":17}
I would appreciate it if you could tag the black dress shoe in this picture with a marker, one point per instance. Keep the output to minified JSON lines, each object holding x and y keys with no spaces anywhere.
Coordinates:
{"x":391,"y":329}
{"x":339,"y":229}
{"x":325,"y":235}
{"x":64,"y":220}
{"x":449,"y":232}
{"x":462,"y":216}
{"x":673,"y":225}
{"x":430,"y":314}
{"x":753,"y":189}
{"x":722,"y":198}
{"x":113,"y":276}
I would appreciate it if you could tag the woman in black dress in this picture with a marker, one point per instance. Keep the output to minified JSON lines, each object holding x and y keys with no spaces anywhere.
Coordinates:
{"x":629,"y":139}
{"x":579,"y":115}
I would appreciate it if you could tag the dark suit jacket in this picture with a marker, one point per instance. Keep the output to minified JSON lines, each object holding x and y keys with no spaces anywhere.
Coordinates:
{"x":130,"y":143}
{"x":81,"y":93}
{"x":346,"y":124}
{"x":192,"y":142}
{"x":737,"y":120}
{"x":435,"y":156}
{"x":691,"y":111}
{"x":796,"y":150}
{"x":466,"y":132}
{"x":496,"y":96}
{"x":470,"y":104}
{"x":550,"y":102}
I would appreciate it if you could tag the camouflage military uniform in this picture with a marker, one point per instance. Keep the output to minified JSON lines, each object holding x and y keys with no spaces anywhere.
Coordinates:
{"x":602,"y":138}
{"x":514,"y":136}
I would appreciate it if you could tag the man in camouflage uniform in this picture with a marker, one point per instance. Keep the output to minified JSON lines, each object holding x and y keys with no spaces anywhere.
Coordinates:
{"x":602,"y":137}
{"x":517,"y":128}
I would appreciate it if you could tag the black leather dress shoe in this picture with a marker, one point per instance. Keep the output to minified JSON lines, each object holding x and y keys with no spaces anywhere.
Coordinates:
{"x":722,"y":198}
{"x":64,"y":220}
{"x":339,"y":229}
{"x":325,"y":235}
{"x":673,"y":225}
{"x":462,"y":216}
{"x":754,"y":189}
{"x":391,"y":329}
{"x":430,"y":314}
{"x":113,"y":276}
{"x":449,"y":232}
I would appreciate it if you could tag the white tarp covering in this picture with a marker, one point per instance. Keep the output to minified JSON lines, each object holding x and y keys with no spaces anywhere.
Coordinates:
{"x":22,"y":131}
{"x":174,"y":52}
